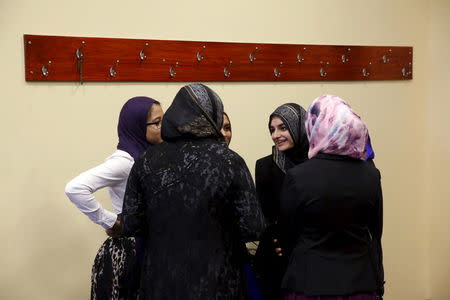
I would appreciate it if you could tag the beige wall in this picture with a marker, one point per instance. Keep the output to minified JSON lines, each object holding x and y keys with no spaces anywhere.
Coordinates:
{"x":52,"y":131}
{"x":438,"y":142}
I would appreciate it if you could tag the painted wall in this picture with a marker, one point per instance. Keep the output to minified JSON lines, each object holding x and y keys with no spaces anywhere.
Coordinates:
{"x":437,"y":154}
{"x":52,"y":131}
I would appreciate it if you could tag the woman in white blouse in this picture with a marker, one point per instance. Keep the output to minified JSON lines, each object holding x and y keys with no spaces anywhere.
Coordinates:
{"x":139,"y":126}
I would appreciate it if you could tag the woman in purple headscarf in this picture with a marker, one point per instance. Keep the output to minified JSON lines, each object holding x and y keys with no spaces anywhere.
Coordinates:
{"x":332,"y":210}
{"x":139,"y":126}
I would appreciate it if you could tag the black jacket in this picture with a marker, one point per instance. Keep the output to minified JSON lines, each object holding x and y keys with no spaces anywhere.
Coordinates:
{"x":331,"y":220}
{"x":195,"y":203}
{"x":267,"y":264}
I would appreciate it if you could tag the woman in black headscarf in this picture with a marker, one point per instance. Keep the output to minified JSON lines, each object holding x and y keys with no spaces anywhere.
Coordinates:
{"x":287,"y":129}
{"x":194,"y":200}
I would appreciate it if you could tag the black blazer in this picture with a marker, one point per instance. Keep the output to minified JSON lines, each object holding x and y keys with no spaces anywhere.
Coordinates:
{"x":331,"y":217}
{"x":269,"y":180}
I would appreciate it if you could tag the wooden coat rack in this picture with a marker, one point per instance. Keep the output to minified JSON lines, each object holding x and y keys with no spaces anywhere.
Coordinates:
{"x":83,"y":59}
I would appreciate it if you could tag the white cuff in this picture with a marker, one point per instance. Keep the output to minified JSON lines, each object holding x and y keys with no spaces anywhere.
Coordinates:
{"x":108,"y":219}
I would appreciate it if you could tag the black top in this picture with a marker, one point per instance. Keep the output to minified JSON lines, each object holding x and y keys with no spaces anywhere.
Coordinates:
{"x":332,"y":217}
{"x":195,"y":203}
{"x":269,"y":180}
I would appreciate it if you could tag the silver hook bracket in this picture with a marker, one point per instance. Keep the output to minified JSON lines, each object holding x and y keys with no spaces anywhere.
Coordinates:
{"x":112,"y":70}
{"x":79,"y":53}
{"x":44,"y":70}
{"x":344,"y":57}
{"x":199,"y":54}
{"x":276,"y":70}
{"x":300,"y":58}
{"x":385,"y":58}
{"x":226,"y":70}
{"x":406,"y":71}
{"x":80,"y":59}
{"x":172,"y":72}
{"x":252,"y":54}
{"x":142,"y":55}
{"x":323,"y":69}
{"x":365,"y":72}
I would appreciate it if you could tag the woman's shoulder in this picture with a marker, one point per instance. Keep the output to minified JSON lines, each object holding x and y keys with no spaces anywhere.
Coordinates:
{"x":265,"y":159}
{"x":264,"y":162}
{"x":121,"y":155}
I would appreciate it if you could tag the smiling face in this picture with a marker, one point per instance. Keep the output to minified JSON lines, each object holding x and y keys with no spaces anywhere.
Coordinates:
{"x":154,"y":120}
{"x":280,"y":134}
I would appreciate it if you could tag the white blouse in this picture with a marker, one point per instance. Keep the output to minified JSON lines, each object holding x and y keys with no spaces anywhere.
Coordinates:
{"x":113,"y":173}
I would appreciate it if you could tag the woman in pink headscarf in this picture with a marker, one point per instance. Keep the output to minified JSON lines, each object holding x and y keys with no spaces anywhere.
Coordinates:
{"x":332,"y":210}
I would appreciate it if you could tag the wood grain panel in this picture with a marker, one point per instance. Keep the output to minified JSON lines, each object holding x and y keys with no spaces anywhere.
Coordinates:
{"x":271,"y":62}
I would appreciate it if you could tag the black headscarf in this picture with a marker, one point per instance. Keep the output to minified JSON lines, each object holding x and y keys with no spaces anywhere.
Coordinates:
{"x":293,"y":116}
{"x":196,"y":112}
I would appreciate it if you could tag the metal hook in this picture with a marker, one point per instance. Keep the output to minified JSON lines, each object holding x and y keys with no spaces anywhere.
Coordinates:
{"x":199,"y":54}
{"x":79,"y":53}
{"x":142,"y":55}
{"x":344,"y":57}
{"x":252,"y":56}
{"x":172,"y":72}
{"x":112,"y":70}
{"x":80,"y":59}
{"x":226,"y":70}
{"x":406,"y":72}
{"x":323,"y":72}
{"x":365,"y":72}
{"x":385,"y":57}
{"x":299,"y":56}
{"x":276,"y":70}
{"x":44,"y":69}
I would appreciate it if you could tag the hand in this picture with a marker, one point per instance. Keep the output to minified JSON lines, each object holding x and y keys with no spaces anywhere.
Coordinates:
{"x":116,"y":230}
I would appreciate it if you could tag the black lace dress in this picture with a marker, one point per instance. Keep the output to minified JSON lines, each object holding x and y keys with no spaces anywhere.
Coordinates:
{"x":194,"y":201}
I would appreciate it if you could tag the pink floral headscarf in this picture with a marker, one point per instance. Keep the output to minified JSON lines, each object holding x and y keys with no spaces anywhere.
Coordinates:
{"x":334,"y":128}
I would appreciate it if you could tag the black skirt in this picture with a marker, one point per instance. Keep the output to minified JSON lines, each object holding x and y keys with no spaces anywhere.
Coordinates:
{"x":111,"y":270}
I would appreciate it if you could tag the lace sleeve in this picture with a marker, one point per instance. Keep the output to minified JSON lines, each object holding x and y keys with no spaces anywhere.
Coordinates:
{"x":246,"y":207}
{"x":133,"y":212}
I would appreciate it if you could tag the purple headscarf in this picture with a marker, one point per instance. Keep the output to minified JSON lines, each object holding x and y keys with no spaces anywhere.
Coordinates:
{"x":132,"y":126}
{"x":334,"y":128}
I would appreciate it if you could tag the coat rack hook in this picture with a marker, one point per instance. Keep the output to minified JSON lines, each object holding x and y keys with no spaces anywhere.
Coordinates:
{"x":322,"y":71}
{"x":252,"y":56}
{"x":226,"y":70}
{"x":300,"y":58}
{"x":406,"y":71}
{"x":112,"y":70}
{"x":199,"y":54}
{"x":344,"y":57}
{"x":142,"y":55}
{"x":45,"y":70}
{"x":385,"y":58}
{"x":79,"y":53}
{"x":365,"y":73}
{"x":172,"y":72}
{"x":276,"y":70}
{"x":80,"y":59}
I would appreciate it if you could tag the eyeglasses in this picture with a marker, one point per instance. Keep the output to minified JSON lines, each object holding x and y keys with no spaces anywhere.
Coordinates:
{"x":156,"y":123}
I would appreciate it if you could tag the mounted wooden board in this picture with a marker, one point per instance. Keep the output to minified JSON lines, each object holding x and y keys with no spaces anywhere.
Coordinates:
{"x":84,"y":59}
